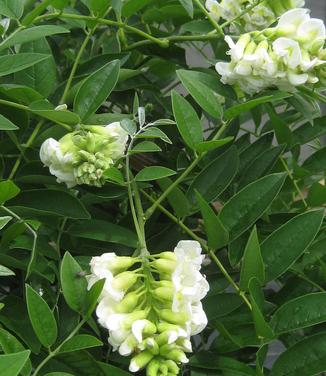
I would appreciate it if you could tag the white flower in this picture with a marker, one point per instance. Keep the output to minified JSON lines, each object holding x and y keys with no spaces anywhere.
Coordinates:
{"x":289,"y":50}
{"x":189,"y":251}
{"x":198,"y":319}
{"x":118,"y":146}
{"x":291,"y":20}
{"x":60,"y":165}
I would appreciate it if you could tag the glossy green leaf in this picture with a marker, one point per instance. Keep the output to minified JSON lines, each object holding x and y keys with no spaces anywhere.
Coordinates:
{"x":110,"y":370}
{"x":207,"y":360}
{"x":154,"y":173}
{"x":316,"y":163}
{"x":6,"y":124}
{"x":92,"y":297}
{"x":42,"y":76}
{"x":8,"y":190}
{"x":115,"y":175}
{"x":301,"y":312}
{"x":214,"y":310}
{"x":263,"y":330}
{"x":14,"y":63}
{"x":45,"y":202}
{"x":12,"y":364}
{"x":187,"y":120}
{"x":5,"y":272}
{"x":42,"y":318}
{"x":239,"y":109}
{"x":215,"y":177}
{"x":12,"y":8}
{"x":248,"y":205}
{"x":176,"y":197}
{"x":252,"y":264}
{"x":145,"y":147}
{"x":217,"y":235}
{"x":316,"y":195}
{"x":79,"y":342}
{"x":104,"y":231}
{"x":46,"y":110}
{"x":154,"y":132}
{"x":213,"y":144}
{"x":305,"y":358}
{"x":9,"y":345}
{"x":95,"y":89}
{"x":187,"y":4}
{"x":59,"y":374}
{"x":73,"y":282}
{"x":203,"y":95}
{"x":286,"y":244}
{"x":33,"y":33}
{"x":4,"y":221}
{"x":262,"y":165}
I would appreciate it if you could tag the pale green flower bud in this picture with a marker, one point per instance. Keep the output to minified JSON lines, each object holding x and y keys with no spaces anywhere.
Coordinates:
{"x":140,"y":361}
{"x":176,"y":355}
{"x":167,"y":315}
{"x":128,"y":303}
{"x":167,"y":256}
{"x":172,"y":366}
{"x":124,"y":281}
{"x":164,"y":293}
{"x":134,"y":316}
{"x":164,"y":266}
{"x":153,"y":368}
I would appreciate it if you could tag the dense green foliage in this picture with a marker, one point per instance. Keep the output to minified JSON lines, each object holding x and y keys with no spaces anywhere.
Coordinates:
{"x":212,"y":165}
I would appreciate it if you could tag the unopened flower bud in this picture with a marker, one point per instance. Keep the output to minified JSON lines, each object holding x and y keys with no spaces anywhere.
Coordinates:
{"x":172,"y":366}
{"x":177,"y":355}
{"x":164,"y":266}
{"x":164,"y":293}
{"x":169,"y":316}
{"x":153,"y":368}
{"x":142,"y":327}
{"x":140,"y":361}
{"x":124,"y":281}
{"x":167,"y":256}
{"x":128,"y":303}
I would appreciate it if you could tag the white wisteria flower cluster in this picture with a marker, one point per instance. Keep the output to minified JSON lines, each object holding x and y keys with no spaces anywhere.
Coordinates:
{"x":151,"y":305}
{"x":248,"y":16}
{"x":82,"y":157}
{"x":286,"y":56}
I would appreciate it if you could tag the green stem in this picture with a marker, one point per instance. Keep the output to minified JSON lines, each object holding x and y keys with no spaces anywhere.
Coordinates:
{"x":161,"y":42}
{"x":55,"y":352}
{"x":32,"y":231}
{"x":28,"y":144}
{"x":25,"y":108}
{"x":20,"y":28}
{"x":188,"y":170}
{"x":205,"y":247}
{"x":74,"y":67}
{"x":217,"y":27}
{"x":294,"y":182}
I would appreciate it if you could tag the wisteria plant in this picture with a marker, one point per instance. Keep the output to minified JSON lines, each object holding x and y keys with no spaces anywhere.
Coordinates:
{"x":159,"y":216}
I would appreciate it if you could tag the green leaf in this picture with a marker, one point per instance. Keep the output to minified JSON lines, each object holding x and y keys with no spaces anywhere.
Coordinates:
{"x":187,"y":120}
{"x":8,"y":190}
{"x":115,"y":175}
{"x":145,"y":147}
{"x":187,"y":4}
{"x":316,"y":163}
{"x":20,"y":93}
{"x":203,"y":94}
{"x":12,"y":8}
{"x":92,"y":297}
{"x":59,"y":374}
{"x":33,"y":33}
{"x":316,"y":195}
{"x":5,"y":272}
{"x":4,"y":221}
{"x":209,"y":360}
{"x":51,"y":202}
{"x":252,"y":265}
{"x":42,"y":76}
{"x":262,"y":165}
{"x":154,"y":132}
{"x":176,"y":198}
{"x":263,"y":330}
{"x":111,"y":370}
{"x":239,"y":109}
{"x":286,"y":244}
{"x":14,"y":63}
{"x":95,"y":89}
{"x":154,"y":173}
{"x":42,"y":318}
{"x":215,"y":177}
{"x":9,"y":345}
{"x":217,"y":235}
{"x":282,"y":130}
{"x":46,"y":109}
{"x":301,"y":312}
{"x":213,"y":144}
{"x":248,"y":205}
{"x":74,"y":284}
{"x":79,"y":342}
{"x":230,"y":303}
{"x":12,"y":364}
{"x":305,"y":358}
{"x":104,"y":231}
{"x":6,"y":124}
